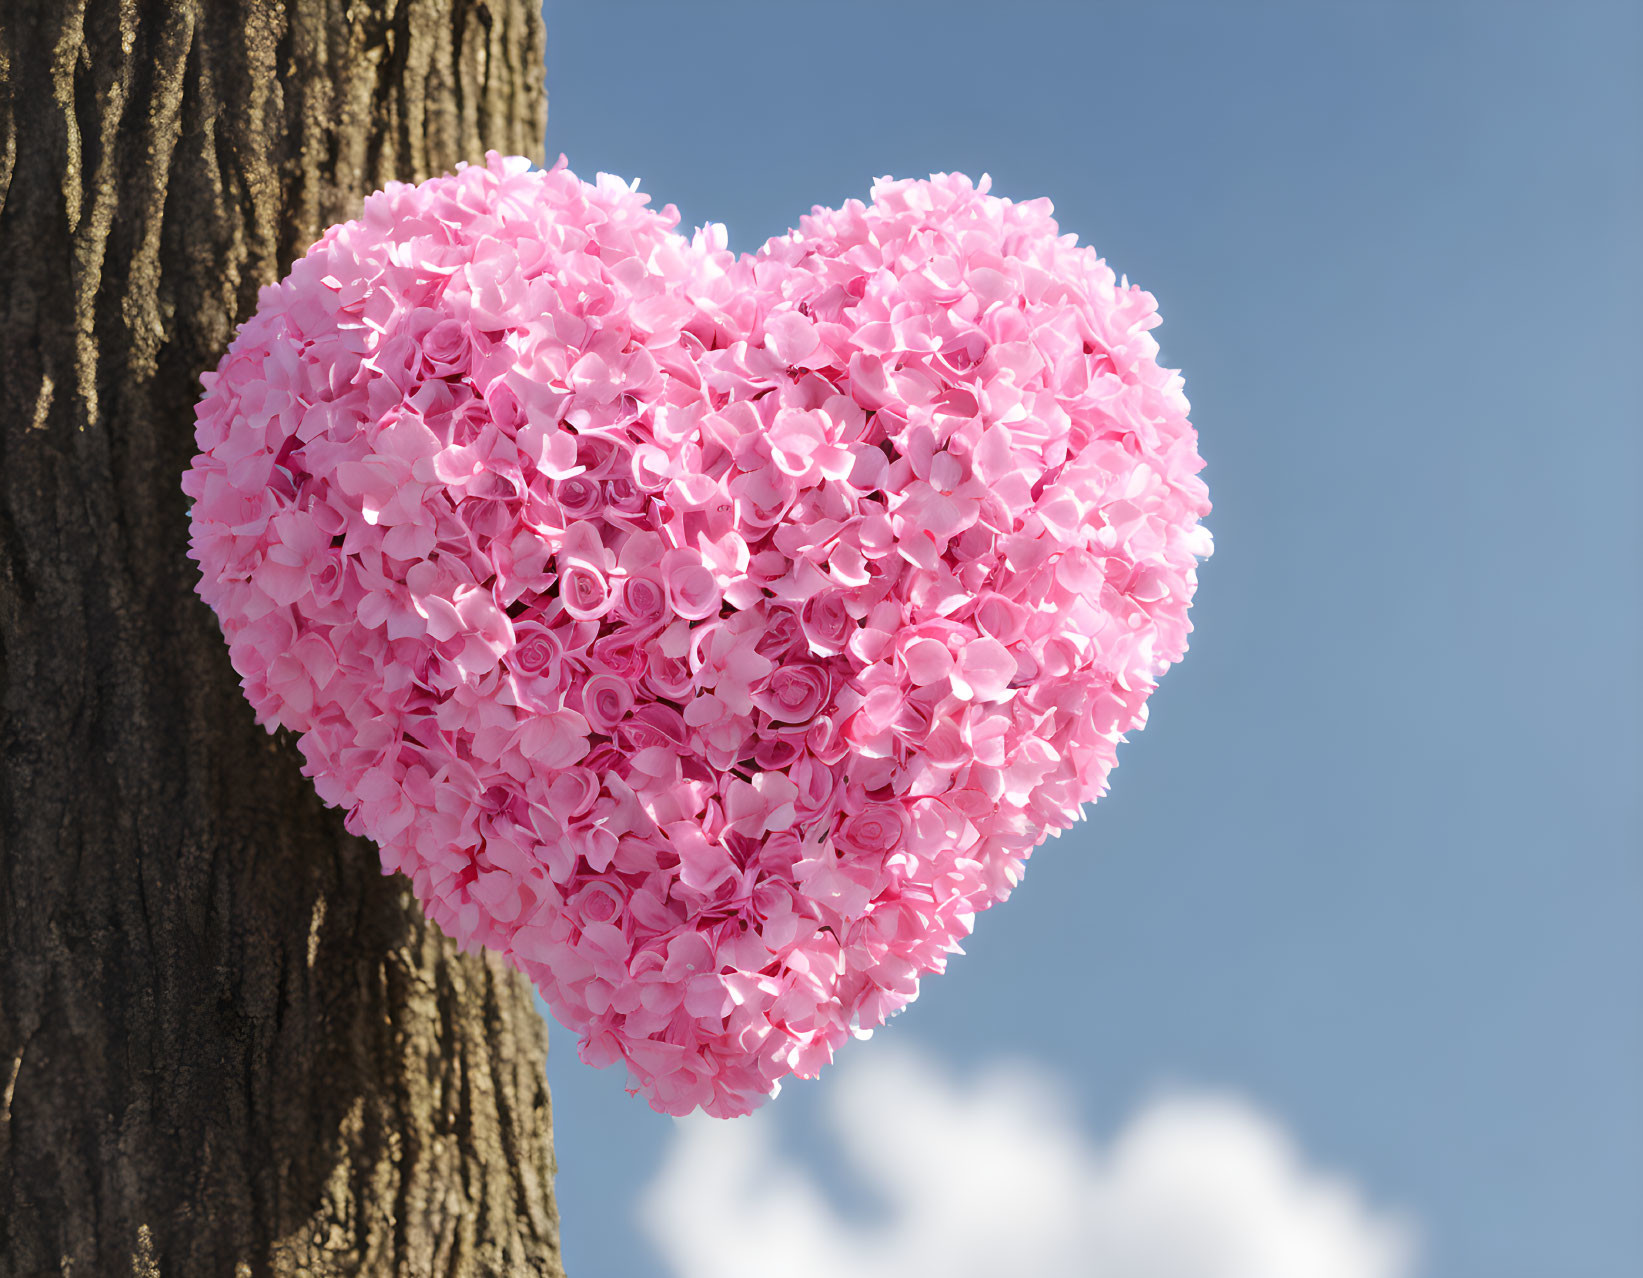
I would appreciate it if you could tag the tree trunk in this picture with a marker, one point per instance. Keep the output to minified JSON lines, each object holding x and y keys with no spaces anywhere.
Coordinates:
{"x":228,"y":1046}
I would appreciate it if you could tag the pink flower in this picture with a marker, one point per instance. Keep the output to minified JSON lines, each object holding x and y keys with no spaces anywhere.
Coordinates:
{"x":776,"y":753}
{"x":621,"y":654}
{"x":601,"y":901}
{"x":826,"y":623}
{"x":655,"y":726}
{"x":448,"y":346}
{"x":1000,"y":618}
{"x":781,"y":633}
{"x":691,"y":589}
{"x":625,"y":497}
{"x":643,"y":600}
{"x":985,"y":669}
{"x":927,"y":661}
{"x":712,"y":636}
{"x":795,"y":694}
{"x":536,"y":651}
{"x":584,"y":591}
{"x":606,"y":700}
{"x":327,"y":578}
{"x":668,"y":677}
{"x":579,"y":497}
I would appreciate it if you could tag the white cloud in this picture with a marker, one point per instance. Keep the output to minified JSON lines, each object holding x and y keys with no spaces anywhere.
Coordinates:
{"x":997,"y":1177}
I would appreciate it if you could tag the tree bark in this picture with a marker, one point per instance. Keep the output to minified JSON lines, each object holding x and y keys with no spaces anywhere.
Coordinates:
{"x":228,"y":1045}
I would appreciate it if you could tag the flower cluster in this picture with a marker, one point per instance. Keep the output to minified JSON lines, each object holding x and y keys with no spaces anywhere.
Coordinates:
{"x":712,"y":636}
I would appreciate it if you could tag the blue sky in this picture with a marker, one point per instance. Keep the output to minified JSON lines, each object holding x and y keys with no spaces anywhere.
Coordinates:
{"x":1375,"y":866}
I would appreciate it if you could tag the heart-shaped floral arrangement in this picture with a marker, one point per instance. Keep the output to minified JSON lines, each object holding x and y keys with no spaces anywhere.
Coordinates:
{"x":712,"y":636}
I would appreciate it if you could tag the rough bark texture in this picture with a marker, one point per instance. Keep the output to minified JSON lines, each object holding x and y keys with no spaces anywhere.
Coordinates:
{"x":228,"y":1046}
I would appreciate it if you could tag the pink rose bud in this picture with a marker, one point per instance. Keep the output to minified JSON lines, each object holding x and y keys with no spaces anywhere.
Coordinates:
{"x":826,"y":622}
{"x":874,"y":831}
{"x":448,"y":347}
{"x":795,"y":694}
{"x":643,"y":600}
{"x":579,"y":497}
{"x":536,"y":651}
{"x":584,"y":592}
{"x":606,"y":700}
